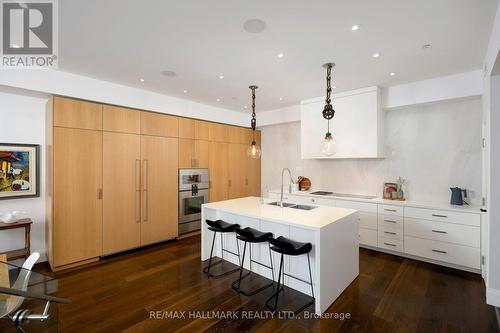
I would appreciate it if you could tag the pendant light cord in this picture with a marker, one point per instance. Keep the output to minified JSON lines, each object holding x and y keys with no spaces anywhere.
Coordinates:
{"x":253,"y":122}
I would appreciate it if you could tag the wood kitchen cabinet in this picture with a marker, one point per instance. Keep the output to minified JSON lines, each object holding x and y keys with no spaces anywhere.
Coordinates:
{"x":218,"y":169}
{"x":159,"y":188}
{"x":159,"y":124}
{"x":187,"y":128}
{"x":237,"y":170}
{"x":74,"y":113}
{"x":193,"y":153}
{"x":113,"y":175}
{"x":121,"y":192}
{"x":76,"y":221}
{"x":118,"y":119}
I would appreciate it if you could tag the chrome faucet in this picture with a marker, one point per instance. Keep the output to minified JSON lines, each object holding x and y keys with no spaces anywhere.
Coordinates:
{"x":290,"y":186}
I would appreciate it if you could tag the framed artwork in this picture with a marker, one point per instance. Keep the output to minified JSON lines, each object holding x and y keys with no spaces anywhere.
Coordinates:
{"x":19,"y":171}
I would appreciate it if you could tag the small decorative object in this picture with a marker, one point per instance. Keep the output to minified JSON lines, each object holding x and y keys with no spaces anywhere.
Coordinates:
{"x":389,"y":189}
{"x":394,"y":191}
{"x":304,"y":184}
{"x":400,"y":192}
{"x":11,"y":217}
{"x":19,"y":171}
{"x":254,"y":150}
{"x":329,"y":144}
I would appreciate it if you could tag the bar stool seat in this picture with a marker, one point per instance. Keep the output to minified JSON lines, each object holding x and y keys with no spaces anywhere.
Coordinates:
{"x":221,"y":227}
{"x":290,"y":247}
{"x":250,"y":235}
{"x":253,"y":236}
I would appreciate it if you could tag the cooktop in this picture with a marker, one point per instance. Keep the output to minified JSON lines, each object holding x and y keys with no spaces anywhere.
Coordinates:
{"x":322,"y":193}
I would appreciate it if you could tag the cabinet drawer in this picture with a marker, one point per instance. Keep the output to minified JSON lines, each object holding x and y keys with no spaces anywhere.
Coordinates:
{"x":368,"y":237}
{"x":361,"y":206}
{"x":390,"y":244}
{"x":444,"y":216}
{"x":367,"y":220}
{"x":318,"y":201}
{"x":452,"y":253}
{"x":391,"y":233}
{"x":444,"y":232}
{"x":390,"y":221}
{"x":390,"y":210}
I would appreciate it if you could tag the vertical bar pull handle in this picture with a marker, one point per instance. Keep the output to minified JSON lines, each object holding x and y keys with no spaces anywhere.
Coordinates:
{"x":145,"y":189}
{"x":137,"y":195}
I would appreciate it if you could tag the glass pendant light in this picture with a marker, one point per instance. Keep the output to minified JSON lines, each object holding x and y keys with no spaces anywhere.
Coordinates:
{"x":254,"y":150}
{"x":329,"y":144}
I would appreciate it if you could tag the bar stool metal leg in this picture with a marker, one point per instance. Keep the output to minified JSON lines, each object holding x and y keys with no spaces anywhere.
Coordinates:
{"x":241,"y":276}
{"x":278,"y":290}
{"x":206,"y":270}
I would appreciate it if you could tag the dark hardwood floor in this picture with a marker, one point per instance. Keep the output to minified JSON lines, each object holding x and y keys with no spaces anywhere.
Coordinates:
{"x":391,"y":294}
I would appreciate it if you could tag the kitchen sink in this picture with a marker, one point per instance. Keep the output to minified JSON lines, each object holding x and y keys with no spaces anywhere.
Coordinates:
{"x":285,"y":204}
{"x":304,"y":207}
{"x":292,"y":205}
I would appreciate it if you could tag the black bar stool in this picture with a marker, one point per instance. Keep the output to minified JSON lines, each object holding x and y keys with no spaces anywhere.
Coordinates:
{"x":221,"y":227}
{"x":249,"y":235}
{"x":289,"y":247}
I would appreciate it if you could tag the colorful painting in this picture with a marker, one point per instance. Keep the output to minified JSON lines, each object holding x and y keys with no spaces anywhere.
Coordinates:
{"x":19,"y":171}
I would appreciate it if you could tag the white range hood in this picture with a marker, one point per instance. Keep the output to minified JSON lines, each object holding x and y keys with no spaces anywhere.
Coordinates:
{"x":357,"y":125}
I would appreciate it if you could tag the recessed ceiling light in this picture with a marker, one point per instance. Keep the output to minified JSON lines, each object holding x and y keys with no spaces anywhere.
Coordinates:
{"x":334,"y":87}
{"x":355,"y":27}
{"x":15,"y":46}
{"x":281,"y":98}
{"x":218,"y":99}
{"x":376,"y":55}
{"x":280,"y":55}
{"x":168,"y":73}
{"x":254,"y":26}
{"x":392,"y":74}
{"x":221,"y":77}
{"x":185,"y":91}
{"x":245,"y":107}
{"x":142,"y":80}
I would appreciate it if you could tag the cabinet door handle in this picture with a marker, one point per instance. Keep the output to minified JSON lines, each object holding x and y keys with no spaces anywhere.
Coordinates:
{"x":390,"y":244}
{"x":438,"y":215}
{"x":389,"y":210}
{"x":390,"y":221}
{"x":439,"y":251}
{"x":439,"y":231}
{"x":99,"y":193}
{"x":246,"y":181}
{"x":229,"y":182}
{"x":390,"y":233}
{"x":145,"y":189}
{"x":137,"y":197}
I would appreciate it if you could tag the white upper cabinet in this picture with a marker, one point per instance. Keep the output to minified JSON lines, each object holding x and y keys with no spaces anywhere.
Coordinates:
{"x":357,"y":125}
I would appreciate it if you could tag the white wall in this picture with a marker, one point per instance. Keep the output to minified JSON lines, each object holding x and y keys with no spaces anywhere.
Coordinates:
{"x":22,"y":120}
{"x":434,"y":146}
{"x":72,"y":85}
{"x":451,"y":87}
{"x":491,"y":221}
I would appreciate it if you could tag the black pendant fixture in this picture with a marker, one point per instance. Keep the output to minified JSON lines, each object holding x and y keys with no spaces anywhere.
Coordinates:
{"x":329,"y":144}
{"x":254,"y":150}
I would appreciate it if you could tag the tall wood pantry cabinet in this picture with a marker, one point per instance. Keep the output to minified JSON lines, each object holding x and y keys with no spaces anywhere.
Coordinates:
{"x":112,"y":175}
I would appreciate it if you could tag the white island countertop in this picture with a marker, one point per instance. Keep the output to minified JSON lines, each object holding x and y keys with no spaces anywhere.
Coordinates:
{"x":316,"y":218}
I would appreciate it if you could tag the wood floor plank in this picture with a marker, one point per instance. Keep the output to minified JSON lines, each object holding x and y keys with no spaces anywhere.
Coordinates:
{"x":391,"y":294}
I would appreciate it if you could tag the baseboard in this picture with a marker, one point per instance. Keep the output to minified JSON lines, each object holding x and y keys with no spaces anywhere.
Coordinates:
{"x":493,"y":297}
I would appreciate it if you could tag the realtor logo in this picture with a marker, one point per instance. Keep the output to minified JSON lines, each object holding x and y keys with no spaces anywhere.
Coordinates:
{"x":29,"y":34}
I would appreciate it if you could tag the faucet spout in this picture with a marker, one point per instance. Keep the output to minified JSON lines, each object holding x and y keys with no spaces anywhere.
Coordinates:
{"x":291,"y":180}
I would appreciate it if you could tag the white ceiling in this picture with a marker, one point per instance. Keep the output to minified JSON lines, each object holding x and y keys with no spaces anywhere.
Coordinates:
{"x":125,"y":40}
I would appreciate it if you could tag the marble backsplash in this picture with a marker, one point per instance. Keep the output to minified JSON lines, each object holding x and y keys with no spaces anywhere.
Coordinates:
{"x":434,"y":147}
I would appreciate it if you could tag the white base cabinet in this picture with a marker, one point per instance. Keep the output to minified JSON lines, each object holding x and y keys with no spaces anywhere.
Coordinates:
{"x":448,"y":237}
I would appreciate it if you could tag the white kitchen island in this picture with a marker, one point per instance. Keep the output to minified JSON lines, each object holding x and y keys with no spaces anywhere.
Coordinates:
{"x":333,"y":233}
